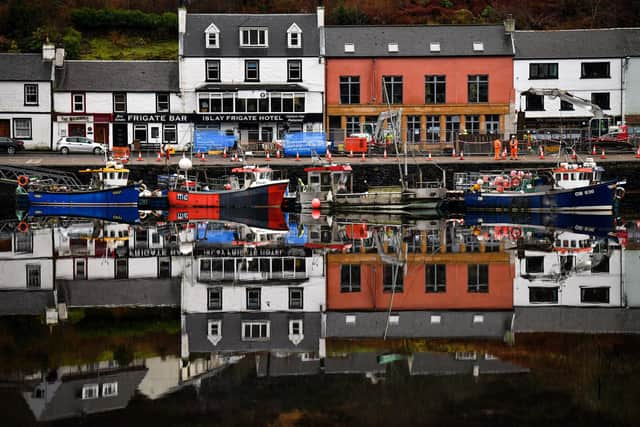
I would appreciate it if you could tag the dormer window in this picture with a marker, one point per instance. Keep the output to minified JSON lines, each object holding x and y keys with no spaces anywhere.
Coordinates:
{"x":254,"y":37}
{"x":393,"y":47}
{"x":349,"y":48}
{"x":212,"y":37}
{"x":434,"y":47}
{"x":294,"y":36}
{"x":478,"y":46}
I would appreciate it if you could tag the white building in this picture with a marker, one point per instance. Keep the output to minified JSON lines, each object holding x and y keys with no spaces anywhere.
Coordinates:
{"x":253,"y":76}
{"x":117,"y":102}
{"x":26,"y":96}
{"x":27,"y":260}
{"x":576,"y":272}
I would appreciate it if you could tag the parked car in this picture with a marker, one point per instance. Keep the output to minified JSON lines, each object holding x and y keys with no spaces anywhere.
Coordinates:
{"x":10,"y":145}
{"x":80,"y":144}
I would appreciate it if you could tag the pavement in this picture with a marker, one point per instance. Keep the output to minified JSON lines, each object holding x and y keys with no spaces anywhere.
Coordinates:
{"x":46,"y":159}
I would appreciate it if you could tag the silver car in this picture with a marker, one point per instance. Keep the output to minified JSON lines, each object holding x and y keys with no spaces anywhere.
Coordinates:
{"x":80,"y":144}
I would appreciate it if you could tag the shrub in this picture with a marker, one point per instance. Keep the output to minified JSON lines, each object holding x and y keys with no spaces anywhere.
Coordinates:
{"x":71,"y":41}
{"x":111,"y":19}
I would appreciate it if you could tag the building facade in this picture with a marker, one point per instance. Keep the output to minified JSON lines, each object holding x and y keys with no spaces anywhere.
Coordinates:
{"x":253,"y":76}
{"x":446,"y":79}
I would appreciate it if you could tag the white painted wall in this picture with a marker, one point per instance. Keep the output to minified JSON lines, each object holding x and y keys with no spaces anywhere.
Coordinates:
{"x":12,"y":97}
{"x":568,"y":79}
{"x":632,"y":87}
{"x":14,"y":273}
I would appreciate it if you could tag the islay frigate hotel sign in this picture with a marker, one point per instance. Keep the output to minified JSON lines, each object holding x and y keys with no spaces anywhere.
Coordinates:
{"x":213,"y":118}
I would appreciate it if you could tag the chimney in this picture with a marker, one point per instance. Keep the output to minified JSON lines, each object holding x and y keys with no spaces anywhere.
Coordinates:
{"x":59,"y":61}
{"x":48,"y":51}
{"x":320,"y":15}
{"x":509,"y":25}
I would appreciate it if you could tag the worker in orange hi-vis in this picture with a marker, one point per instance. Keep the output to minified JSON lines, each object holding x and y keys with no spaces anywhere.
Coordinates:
{"x":513,"y":145}
{"x":497,"y":148}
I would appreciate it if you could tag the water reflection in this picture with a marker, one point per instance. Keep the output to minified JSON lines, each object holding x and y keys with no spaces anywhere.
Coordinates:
{"x":96,"y":313}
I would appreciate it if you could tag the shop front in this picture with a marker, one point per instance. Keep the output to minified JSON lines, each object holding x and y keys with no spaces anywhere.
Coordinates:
{"x":149,"y":132}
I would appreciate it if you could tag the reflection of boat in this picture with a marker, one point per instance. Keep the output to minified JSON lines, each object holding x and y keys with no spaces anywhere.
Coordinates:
{"x":568,"y":187}
{"x":271,"y":218}
{"x":127,"y":215}
{"x":250,"y":187}
{"x":108,"y":188}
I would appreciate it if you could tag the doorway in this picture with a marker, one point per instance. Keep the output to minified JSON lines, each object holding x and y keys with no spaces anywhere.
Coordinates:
{"x":101,"y":134}
{"x":120,"y":135}
{"x":5,"y":128}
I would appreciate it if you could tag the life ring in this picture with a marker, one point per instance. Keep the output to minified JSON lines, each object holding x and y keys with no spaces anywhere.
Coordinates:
{"x":23,"y":180}
{"x":619,"y":194}
{"x":143,"y":214}
{"x":143,"y":187}
{"x":515,"y":181}
{"x":516,"y":233}
{"x":23,"y":227}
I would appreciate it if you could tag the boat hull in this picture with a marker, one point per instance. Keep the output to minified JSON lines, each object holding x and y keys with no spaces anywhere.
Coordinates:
{"x":597,"y":197}
{"x":128,"y":214}
{"x":268,"y":218}
{"x":267,"y":195}
{"x":113,"y":197}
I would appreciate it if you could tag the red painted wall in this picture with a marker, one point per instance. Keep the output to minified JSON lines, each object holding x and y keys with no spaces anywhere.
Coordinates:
{"x":413,"y":70}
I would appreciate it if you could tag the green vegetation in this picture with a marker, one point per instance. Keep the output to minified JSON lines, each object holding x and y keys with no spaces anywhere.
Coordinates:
{"x":165,"y":24}
{"x":117,"y":46}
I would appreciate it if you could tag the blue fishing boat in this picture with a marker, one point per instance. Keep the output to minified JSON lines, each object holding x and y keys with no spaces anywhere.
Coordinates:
{"x":109,"y":187}
{"x":570,"y":187}
{"x":127,"y":215}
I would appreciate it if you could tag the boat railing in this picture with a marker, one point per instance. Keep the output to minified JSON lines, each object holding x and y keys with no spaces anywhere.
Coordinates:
{"x":463,"y":181}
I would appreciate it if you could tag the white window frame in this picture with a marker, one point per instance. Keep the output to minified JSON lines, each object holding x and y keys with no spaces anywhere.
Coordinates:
{"x":393,"y":47}
{"x":291,"y":64}
{"x":22,"y":132}
{"x":115,"y":102}
{"x":162,"y":110}
{"x":212,"y":30}
{"x":261,"y":338}
{"x":110,"y":389}
{"x":434,"y":47}
{"x":210,"y":65}
{"x":95,"y":388}
{"x":75,"y":99}
{"x":164,"y":133}
{"x":140,"y":126}
{"x":296,"y":338}
{"x":478,"y":46}
{"x":28,"y":87}
{"x":349,"y":48}
{"x":34,"y":268}
{"x":294,"y":29}
{"x":77,"y":261}
{"x":248,"y":42}
{"x":214,"y":338}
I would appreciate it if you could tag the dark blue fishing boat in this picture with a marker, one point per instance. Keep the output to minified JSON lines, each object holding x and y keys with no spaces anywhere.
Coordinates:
{"x":127,"y":215}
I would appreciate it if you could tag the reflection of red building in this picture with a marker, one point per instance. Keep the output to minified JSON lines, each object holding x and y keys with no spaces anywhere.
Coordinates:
{"x":468,"y":280}
{"x":445,"y":78}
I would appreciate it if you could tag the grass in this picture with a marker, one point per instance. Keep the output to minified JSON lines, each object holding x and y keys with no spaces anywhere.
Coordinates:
{"x":112,"y":46}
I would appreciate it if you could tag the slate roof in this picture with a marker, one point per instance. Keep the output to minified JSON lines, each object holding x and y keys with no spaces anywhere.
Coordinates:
{"x":119,"y":293}
{"x":23,"y":302}
{"x":24,"y":67}
{"x":583,"y":320}
{"x":567,"y":44}
{"x":118,"y":76}
{"x":414,"y":40}
{"x":290,"y":365}
{"x":431,"y":363}
{"x":354,"y":363}
{"x":232,"y":341}
{"x":229,"y":26}
{"x":417,"y":324}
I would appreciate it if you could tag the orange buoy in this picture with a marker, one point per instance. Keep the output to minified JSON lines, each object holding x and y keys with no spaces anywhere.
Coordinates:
{"x":23,"y":180}
{"x":23,"y":227}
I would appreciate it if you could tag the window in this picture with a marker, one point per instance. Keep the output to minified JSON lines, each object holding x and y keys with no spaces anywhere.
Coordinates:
{"x":478,"y":88}
{"x":213,"y":70}
{"x":435,"y":278}
{"x":566,"y":106}
{"x":214,"y":298}
{"x":413,"y":129}
{"x":594,"y":295}
{"x":492,"y":123}
{"x":162,"y":103}
{"x":253,"y":298}
{"x":214,"y":331}
{"x":294,"y":36}
{"x":452,"y":127}
{"x":109,"y":389}
{"x":472,"y":124}
{"x":122,"y":268}
{"x":353,"y":124}
{"x":251,"y":70}
{"x":433,"y":129}
{"x":255,"y":331}
{"x":543,"y":295}
{"x":33,"y":276}
{"x":119,"y":102}
{"x":601,"y":99}
{"x":212,"y":37}
{"x":140,"y":132}
{"x":478,"y":46}
{"x":535,"y":102}
{"x":435,"y":319}
{"x":478,"y":278}
{"x":294,"y":70}
{"x":543,"y":71}
{"x":90,"y":391}
{"x":23,"y":242}
{"x":393,"y":47}
{"x":164,"y":266}
{"x":595,"y":70}
{"x":349,"y":48}
{"x":295,"y":328}
{"x":349,"y":89}
{"x":434,"y":46}
{"x":298,"y":102}
{"x":254,"y":37}
{"x":80,"y":269}
{"x":392,"y":89}
{"x":77,"y":102}
{"x":350,"y":278}
{"x":435,"y":89}
{"x":295,"y":298}
{"x":155,"y":132}
{"x":392,"y":277}
{"x":535,"y":264}
{"x":169,"y":134}
{"x":22,"y":128}
{"x":30,"y":94}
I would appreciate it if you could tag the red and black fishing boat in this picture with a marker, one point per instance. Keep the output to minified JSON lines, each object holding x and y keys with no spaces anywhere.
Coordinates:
{"x":249,"y":187}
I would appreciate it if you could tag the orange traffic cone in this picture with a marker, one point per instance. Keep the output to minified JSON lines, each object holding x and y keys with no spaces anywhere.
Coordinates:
{"x":351,"y":153}
{"x":159,"y":158}
{"x":461,"y":154}
{"x":453,"y":153}
{"x":603,"y":155}
{"x":430,"y":156}
{"x":139,"y":156}
{"x":328,"y":155}
{"x":268,"y":156}
{"x":541,"y":155}
{"x":574,"y":156}
{"x":593,"y":150}
{"x":638,"y":152}
{"x":297,"y":156}
{"x":362,"y":159}
{"x":385,"y":153}
{"x":224,"y":153}
{"x":278,"y":153}
{"x":199,"y":155}
{"x":203,"y":158}
{"x":504,"y":154}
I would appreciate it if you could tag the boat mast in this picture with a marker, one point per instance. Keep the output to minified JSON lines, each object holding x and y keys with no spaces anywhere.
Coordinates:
{"x":395,"y":133}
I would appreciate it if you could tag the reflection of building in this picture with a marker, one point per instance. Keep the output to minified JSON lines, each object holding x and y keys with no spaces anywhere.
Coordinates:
{"x":574,"y":271}
{"x":577,"y":320}
{"x":27,"y":259}
{"x":460,"y":363}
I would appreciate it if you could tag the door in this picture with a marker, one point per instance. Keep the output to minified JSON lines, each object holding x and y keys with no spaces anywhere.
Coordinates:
{"x":120,"y":135}
{"x":76,"y":129}
{"x":154,"y":134}
{"x":5,"y":128}
{"x":101,"y":134}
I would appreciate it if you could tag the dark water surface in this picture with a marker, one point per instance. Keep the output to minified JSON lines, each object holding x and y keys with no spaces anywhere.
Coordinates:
{"x":279,"y":319}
